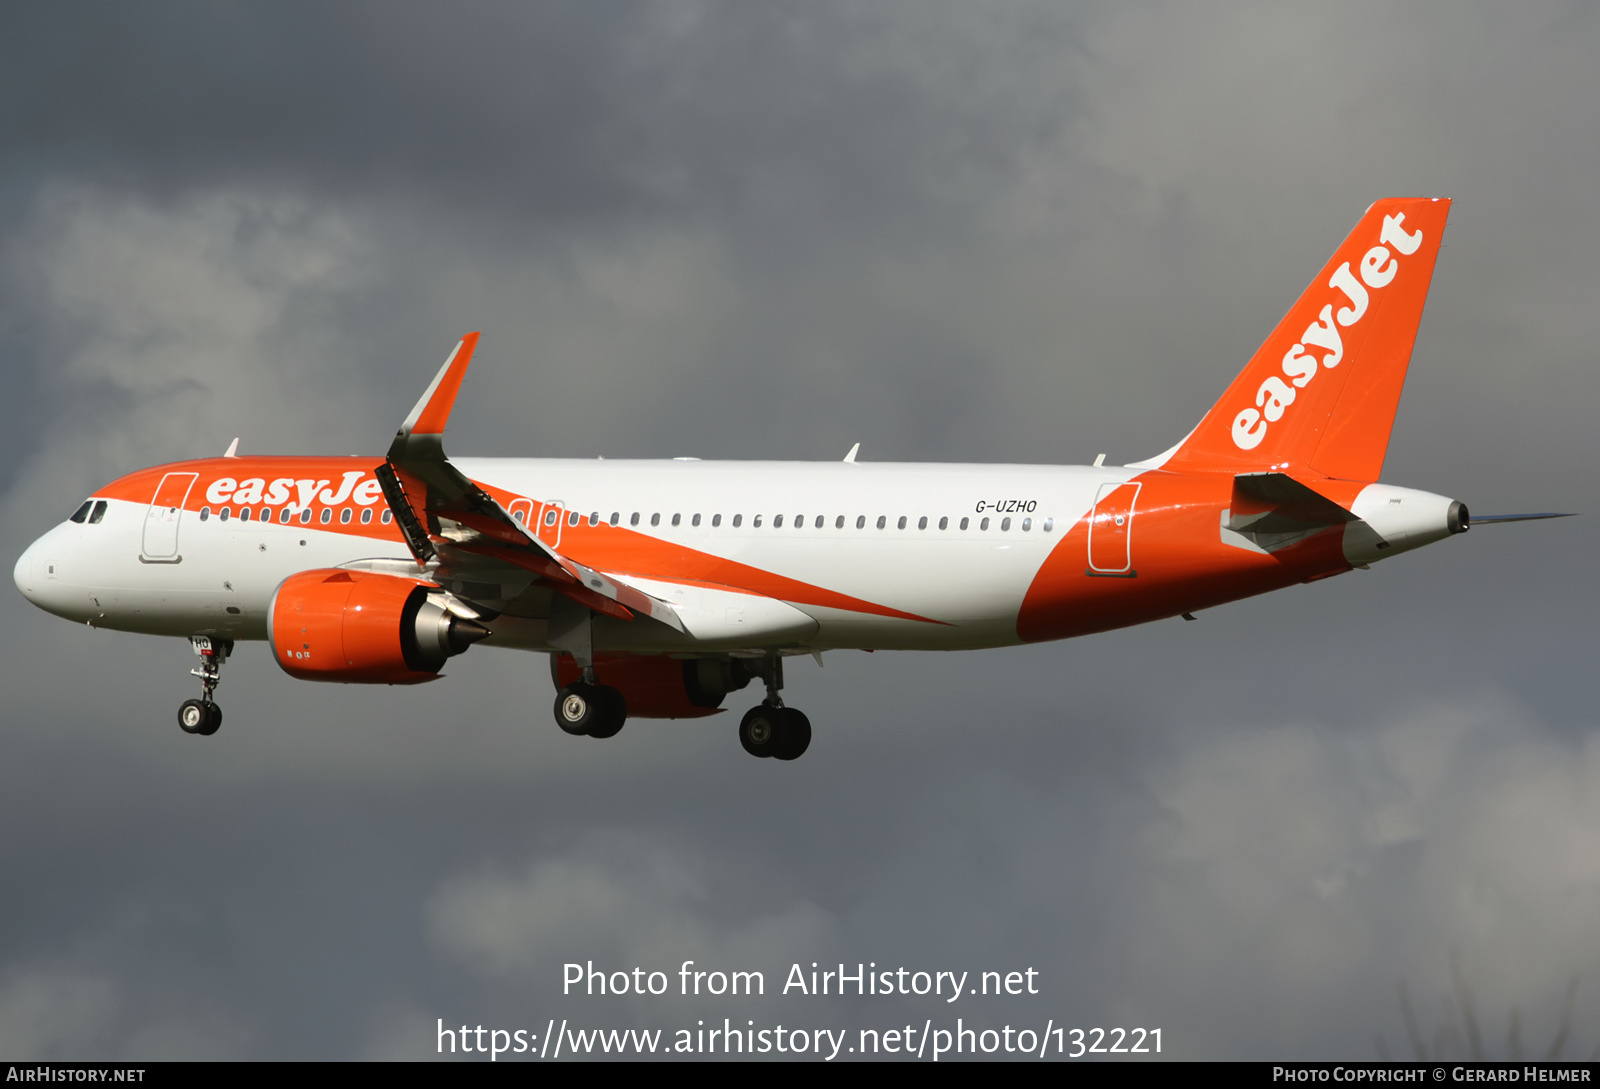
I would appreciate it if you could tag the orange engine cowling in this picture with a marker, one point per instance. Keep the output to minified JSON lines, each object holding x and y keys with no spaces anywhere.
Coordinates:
{"x":363,"y":628}
{"x":658,"y":687}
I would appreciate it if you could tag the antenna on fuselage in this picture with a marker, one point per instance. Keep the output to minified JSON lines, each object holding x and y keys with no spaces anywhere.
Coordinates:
{"x":233,"y":448}
{"x":851,"y":456}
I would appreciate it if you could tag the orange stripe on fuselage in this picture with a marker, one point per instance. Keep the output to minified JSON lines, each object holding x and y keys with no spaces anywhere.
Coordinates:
{"x":622,"y":551}
{"x":613,"y":549}
{"x":327,"y":474}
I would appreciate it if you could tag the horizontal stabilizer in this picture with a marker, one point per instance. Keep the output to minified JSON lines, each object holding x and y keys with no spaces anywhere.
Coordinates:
{"x":1278,"y":503}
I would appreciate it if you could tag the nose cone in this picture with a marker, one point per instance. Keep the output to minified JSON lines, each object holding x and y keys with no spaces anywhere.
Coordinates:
{"x":26,"y":573}
{"x":37,"y":576}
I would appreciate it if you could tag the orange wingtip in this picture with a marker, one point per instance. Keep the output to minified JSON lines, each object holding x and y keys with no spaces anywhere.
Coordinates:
{"x":436,"y":413}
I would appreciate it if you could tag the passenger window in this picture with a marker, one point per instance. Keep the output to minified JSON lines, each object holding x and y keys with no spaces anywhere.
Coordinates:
{"x":819,"y":522}
{"x":655,"y":519}
{"x":244,"y":514}
{"x":388,"y":516}
{"x":286,"y":515}
{"x":1027,"y":524}
{"x":777,"y":523}
{"x":516,"y":516}
{"x":963,"y":523}
{"x":224,"y":514}
{"x":755,"y":523}
{"x":633,"y":519}
{"x":882,"y":521}
{"x":984,"y":524}
{"x":594,"y":518}
{"x":737,"y":518}
{"x":616,"y":517}
{"x":1049,"y":524}
{"x":205,"y":514}
{"x":695,"y":520}
{"x":838,"y":523}
{"x":799,"y":521}
{"x":902,"y":523}
{"x":861,"y":521}
{"x":305,"y":516}
{"x":82,"y":512}
{"x":366,"y":516}
{"x":572,"y":519}
{"x":327,"y":515}
{"x":1005,"y":524}
{"x":676,"y":518}
{"x":944,"y":523}
{"x":922,"y":523}
{"x":550,"y":517}
{"x":716,"y":520}
{"x":344,"y":516}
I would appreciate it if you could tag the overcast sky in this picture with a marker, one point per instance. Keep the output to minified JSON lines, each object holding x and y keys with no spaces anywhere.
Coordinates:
{"x":952,"y":232}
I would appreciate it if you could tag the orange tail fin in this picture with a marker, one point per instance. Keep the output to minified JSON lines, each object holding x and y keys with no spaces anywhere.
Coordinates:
{"x":1320,"y":395}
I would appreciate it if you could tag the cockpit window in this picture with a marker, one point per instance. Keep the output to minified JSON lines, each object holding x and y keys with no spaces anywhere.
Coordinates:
{"x":99,"y":513}
{"x":82,"y":512}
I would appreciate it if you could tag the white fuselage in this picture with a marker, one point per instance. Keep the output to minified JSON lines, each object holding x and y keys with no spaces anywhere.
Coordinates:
{"x":955,"y":547}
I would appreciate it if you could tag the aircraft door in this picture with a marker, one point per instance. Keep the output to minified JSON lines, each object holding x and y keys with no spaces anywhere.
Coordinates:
{"x":551,"y":516}
{"x":1111,"y":531}
{"x":160,"y":543}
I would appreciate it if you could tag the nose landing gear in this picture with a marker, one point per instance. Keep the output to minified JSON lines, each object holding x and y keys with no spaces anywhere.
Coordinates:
{"x":202,"y":716}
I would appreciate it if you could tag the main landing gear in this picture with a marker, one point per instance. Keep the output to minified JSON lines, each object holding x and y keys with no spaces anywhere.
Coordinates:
{"x":589,"y":709}
{"x":770,"y":728}
{"x":202,"y":716}
{"x":586,"y":707}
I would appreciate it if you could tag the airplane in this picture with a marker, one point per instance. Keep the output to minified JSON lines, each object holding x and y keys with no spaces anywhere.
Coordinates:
{"x":659,"y":587}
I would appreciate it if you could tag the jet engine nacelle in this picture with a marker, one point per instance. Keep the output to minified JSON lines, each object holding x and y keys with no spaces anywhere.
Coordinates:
{"x":660,"y":687}
{"x":363,"y":628}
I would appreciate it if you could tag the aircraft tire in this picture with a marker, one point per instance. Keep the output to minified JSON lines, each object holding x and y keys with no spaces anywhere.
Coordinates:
{"x":193,"y":718}
{"x":761,"y":730}
{"x":613,"y":712}
{"x":795,"y":737}
{"x":213,"y":720}
{"x":577,"y":708}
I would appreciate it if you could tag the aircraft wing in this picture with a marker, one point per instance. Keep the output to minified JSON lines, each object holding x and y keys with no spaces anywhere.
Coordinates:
{"x":459,"y":530}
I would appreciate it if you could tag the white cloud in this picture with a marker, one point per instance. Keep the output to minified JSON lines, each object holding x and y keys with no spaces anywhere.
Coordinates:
{"x":173,"y":327}
{"x":56,"y":1015}
{"x":620,"y":900}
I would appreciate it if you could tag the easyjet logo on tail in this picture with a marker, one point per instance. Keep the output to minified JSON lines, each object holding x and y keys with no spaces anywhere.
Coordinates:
{"x":1378,"y":268}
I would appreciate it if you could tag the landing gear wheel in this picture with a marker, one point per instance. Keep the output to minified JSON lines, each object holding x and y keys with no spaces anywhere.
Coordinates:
{"x":613,"y":712}
{"x":761,"y":729}
{"x":795,"y":737}
{"x":194,"y":717}
{"x":575,"y":709}
{"x":594,"y":710}
{"x":213,"y":720}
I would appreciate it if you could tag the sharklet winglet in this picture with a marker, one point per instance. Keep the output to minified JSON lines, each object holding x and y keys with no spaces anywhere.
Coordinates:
{"x":432,"y":412}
